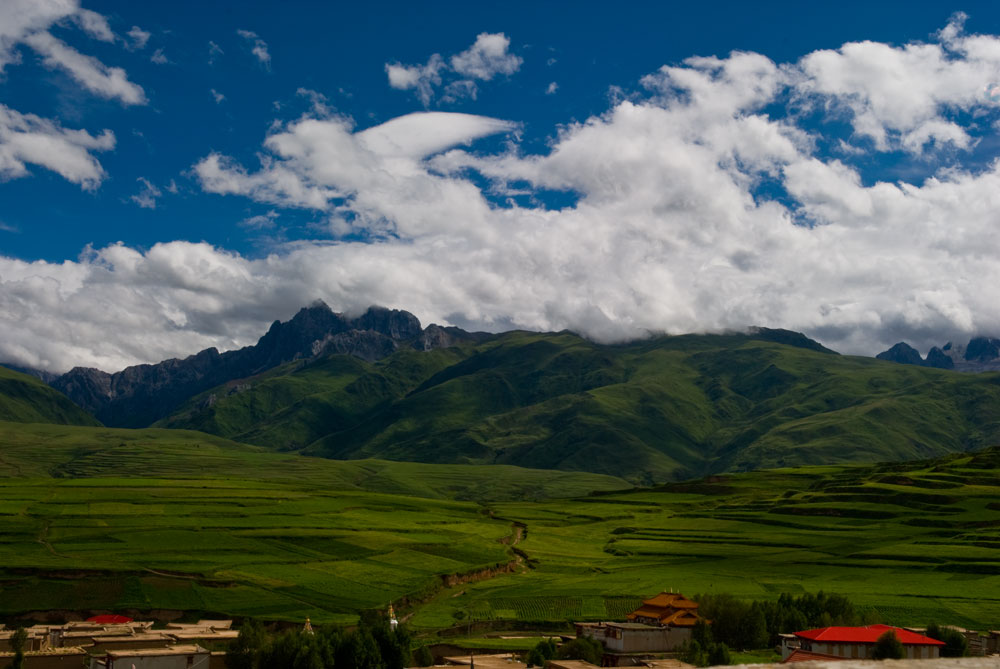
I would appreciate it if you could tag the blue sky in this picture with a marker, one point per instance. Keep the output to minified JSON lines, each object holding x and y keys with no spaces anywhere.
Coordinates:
{"x":340,"y":50}
{"x":220,"y":183}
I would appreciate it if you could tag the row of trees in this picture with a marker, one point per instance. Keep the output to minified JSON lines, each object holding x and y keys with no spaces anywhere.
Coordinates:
{"x":373,"y":645}
{"x":704,"y":650}
{"x":745,"y":625}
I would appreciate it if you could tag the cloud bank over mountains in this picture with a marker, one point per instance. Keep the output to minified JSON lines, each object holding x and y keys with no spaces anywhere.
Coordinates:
{"x":721,"y":193}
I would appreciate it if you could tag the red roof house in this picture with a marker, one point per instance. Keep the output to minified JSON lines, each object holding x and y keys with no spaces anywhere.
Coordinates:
{"x":858,"y":642}
{"x":109,"y":619}
{"x":667,"y":608}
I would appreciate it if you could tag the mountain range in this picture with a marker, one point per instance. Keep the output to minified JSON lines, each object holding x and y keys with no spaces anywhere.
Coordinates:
{"x":982,"y":354}
{"x":139,"y":395}
{"x":670,"y":407}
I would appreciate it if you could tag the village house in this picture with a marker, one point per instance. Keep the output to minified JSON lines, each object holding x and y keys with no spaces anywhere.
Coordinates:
{"x":171,"y":657}
{"x":34,"y":642}
{"x":661,"y":624}
{"x":667,"y":609}
{"x":830,"y":643}
{"x":106,"y":638}
{"x":50,"y":658}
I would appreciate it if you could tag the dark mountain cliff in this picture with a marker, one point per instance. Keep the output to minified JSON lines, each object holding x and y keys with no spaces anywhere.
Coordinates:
{"x":982,"y":354}
{"x":139,"y":395}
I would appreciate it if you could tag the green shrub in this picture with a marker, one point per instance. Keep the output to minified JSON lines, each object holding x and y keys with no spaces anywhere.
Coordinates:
{"x":423,"y":657}
{"x":543,"y":651}
{"x":955,"y":643}
{"x":888,"y":647}
{"x":583,"y":648}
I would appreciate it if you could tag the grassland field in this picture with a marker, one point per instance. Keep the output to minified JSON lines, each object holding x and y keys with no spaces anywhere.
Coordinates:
{"x":156,"y":520}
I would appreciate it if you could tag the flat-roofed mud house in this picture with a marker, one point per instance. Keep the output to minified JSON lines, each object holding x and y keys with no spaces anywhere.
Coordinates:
{"x":171,"y":657}
{"x":50,"y":658}
{"x":662,"y":624}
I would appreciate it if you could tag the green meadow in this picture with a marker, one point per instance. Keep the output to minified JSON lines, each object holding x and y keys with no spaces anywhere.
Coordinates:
{"x":268,"y":550}
{"x":915,"y":542}
{"x":173,"y":521}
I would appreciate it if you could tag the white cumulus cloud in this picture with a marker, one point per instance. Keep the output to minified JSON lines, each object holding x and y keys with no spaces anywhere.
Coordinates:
{"x":701,"y":202}
{"x":146,"y":197}
{"x":422,"y":78}
{"x":30,"y":139}
{"x":27,"y":139}
{"x":138,"y":38}
{"x":92,"y":74}
{"x":486,"y":58}
{"x":258,"y":47}
{"x":895,"y":96}
{"x":97,"y":26}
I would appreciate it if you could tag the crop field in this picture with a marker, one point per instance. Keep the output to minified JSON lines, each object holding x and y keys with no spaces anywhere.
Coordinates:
{"x":98,"y":518}
{"x":916,"y":543}
{"x":283,"y":537}
{"x":237,"y":548}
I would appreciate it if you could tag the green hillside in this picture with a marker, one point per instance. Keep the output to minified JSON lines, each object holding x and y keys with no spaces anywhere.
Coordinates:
{"x":25,"y":399}
{"x":56,"y":451}
{"x":915,"y":542}
{"x":283,"y":537}
{"x":651,"y":411}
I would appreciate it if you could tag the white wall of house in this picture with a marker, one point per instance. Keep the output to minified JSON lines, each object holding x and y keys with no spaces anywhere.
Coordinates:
{"x":619,"y":639}
{"x":864,"y":650}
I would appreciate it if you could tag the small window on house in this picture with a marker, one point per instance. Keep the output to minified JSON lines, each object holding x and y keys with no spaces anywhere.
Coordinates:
{"x":190,"y":660}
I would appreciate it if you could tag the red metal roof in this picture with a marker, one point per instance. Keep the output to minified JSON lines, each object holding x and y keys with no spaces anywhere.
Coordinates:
{"x":869,"y":634}
{"x":109,"y":619}
{"x":799,"y":655}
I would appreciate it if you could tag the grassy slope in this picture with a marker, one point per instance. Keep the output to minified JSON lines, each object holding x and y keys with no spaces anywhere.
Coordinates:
{"x":290,"y":406}
{"x":25,"y":399}
{"x":102,"y":518}
{"x":916,"y":541}
{"x":650,"y":411}
{"x":229,"y":546}
{"x":38,"y":450}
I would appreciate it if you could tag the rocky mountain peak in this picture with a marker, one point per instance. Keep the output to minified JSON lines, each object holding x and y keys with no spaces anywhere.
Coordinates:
{"x":139,"y":395}
{"x":982,"y":354}
{"x":393,"y":323}
{"x":982,"y":349}
{"x":902,"y":353}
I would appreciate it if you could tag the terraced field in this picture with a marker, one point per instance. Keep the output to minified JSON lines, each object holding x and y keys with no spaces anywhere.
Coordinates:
{"x":169,"y":520}
{"x":283,"y":537}
{"x":917,"y":542}
{"x":233,"y":547}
